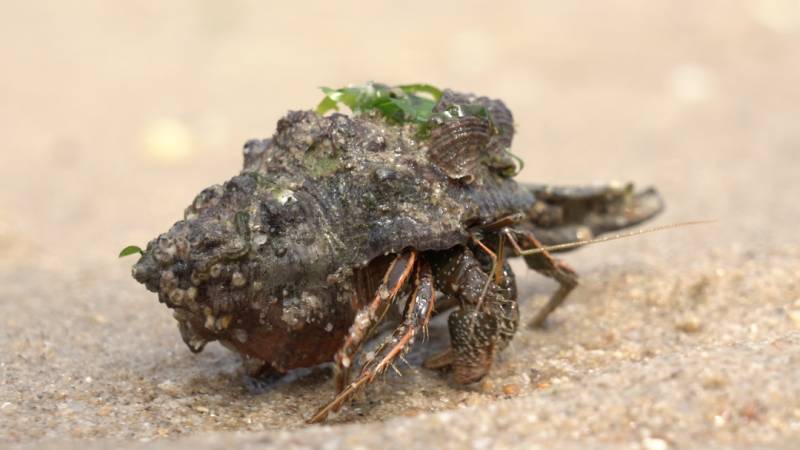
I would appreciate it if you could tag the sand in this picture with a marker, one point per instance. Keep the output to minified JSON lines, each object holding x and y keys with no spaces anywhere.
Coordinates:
{"x":114,"y":118}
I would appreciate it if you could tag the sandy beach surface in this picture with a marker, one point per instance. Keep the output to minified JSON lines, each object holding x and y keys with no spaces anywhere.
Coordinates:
{"x":113,"y":118}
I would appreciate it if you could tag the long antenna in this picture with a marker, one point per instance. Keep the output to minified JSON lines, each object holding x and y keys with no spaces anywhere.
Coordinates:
{"x":612,"y":237}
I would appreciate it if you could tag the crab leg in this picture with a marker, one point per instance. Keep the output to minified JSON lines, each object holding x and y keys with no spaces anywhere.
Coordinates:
{"x":548,"y":266}
{"x":495,"y":269}
{"x":418,"y":311}
{"x":476,"y":335}
{"x":369,"y":316}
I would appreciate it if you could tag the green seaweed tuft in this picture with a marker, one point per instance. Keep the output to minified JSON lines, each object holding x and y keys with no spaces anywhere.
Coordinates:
{"x":407,"y":103}
{"x":130,"y":250}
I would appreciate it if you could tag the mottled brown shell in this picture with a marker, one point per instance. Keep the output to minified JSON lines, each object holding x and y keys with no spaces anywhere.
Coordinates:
{"x":457,"y":145}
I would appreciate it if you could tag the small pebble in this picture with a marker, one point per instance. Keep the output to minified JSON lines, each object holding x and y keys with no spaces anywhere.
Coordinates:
{"x":7,"y":408}
{"x":473,"y":400}
{"x":752,"y":410}
{"x":714,"y":381}
{"x":511,"y":389}
{"x":689,"y":324}
{"x":412,"y":412}
{"x":99,"y":318}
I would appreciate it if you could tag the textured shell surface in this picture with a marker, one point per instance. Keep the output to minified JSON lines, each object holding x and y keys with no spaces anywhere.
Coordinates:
{"x":274,"y":247}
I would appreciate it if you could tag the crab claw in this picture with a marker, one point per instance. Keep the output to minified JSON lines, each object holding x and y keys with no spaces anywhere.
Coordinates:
{"x":625,"y":209}
{"x":570,"y":213}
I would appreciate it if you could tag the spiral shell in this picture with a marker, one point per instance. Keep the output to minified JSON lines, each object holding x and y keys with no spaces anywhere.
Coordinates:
{"x":457,"y":145}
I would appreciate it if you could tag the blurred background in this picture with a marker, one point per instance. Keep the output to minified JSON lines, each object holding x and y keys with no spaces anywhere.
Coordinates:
{"x":114,"y":115}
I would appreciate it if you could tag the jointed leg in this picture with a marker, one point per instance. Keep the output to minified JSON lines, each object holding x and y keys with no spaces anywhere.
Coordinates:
{"x":445,"y":357}
{"x":476,"y":334}
{"x":416,"y":317}
{"x":495,"y":271}
{"x":418,"y":311}
{"x":548,"y":266}
{"x":370,"y":315}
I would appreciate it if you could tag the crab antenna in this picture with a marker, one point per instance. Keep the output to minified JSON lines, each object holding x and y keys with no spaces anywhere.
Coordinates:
{"x":612,"y":237}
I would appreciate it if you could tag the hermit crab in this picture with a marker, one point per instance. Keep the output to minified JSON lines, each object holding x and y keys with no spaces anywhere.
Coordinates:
{"x":405,"y":209}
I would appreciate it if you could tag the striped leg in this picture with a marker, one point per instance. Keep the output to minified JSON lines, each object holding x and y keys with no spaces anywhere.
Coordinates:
{"x":368,"y":317}
{"x":418,"y":311}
